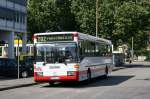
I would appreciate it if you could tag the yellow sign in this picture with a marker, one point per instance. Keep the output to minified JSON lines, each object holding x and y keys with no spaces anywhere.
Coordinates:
{"x":16,"y":41}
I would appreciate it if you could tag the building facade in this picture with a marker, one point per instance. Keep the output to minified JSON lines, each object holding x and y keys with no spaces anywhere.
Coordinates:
{"x":13,"y":23}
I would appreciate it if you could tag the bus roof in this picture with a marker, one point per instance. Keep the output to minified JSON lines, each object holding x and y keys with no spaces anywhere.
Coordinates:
{"x":81,"y":36}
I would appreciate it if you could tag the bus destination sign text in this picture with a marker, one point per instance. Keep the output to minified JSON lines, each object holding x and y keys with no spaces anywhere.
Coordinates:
{"x":61,"y":37}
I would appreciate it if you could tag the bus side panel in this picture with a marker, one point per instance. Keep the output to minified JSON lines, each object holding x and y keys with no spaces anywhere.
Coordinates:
{"x":97,"y":66}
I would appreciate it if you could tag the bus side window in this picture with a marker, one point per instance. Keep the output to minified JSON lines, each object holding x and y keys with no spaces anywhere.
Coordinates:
{"x":81,"y":50}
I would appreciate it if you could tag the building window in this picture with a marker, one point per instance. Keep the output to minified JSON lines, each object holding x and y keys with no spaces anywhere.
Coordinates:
{"x":17,"y":17}
{"x":6,"y":14}
{"x":20,"y":2}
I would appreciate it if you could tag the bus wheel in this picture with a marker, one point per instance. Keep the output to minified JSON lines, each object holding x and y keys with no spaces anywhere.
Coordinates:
{"x":24,"y":74}
{"x":106,"y":72}
{"x":88,"y":76}
{"x":51,"y":83}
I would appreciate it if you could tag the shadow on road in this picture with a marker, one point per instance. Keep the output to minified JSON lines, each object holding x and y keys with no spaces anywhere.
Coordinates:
{"x":136,"y":66}
{"x":3,"y":78}
{"x":97,"y":82}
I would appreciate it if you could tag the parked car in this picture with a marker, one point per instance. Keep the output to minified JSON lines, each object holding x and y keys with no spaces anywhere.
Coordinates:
{"x":9,"y":67}
{"x":27,"y":63}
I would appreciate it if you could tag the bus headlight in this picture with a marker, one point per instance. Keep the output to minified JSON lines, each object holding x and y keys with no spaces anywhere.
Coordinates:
{"x":70,"y":73}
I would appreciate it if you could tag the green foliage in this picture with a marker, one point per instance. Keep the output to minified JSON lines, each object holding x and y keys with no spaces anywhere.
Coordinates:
{"x":84,"y":12}
{"x":118,"y":20}
{"x":143,"y":53}
{"x":50,"y":15}
{"x":132,"y":20}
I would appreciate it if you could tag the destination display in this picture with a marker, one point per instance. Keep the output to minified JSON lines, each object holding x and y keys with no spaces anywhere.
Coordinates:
{"x":60,"y":37}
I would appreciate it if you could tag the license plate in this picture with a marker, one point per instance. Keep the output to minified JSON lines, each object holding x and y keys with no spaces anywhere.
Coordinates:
{"x":54,"y":67}
{"x":54,"y":78}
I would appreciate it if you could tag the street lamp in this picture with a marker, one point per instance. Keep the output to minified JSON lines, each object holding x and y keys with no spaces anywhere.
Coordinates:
{"x":18,"y":63}
{"x":96,"y":18}
{"x":132,"y":52}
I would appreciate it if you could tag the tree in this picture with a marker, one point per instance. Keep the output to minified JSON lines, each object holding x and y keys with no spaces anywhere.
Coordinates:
{"x":50,"y":15}
{"x":118,"y":19}
{"x":65,"y":19}
{"x":132,"y":20}
{"x":84,"y":12}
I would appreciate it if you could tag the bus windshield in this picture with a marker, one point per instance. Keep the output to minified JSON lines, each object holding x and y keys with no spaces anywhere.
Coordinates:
{"x":56,"y":52}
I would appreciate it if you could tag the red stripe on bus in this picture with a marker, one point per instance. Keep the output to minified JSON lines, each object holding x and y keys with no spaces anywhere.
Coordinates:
{"x":67,"y":78}
{"x":75,"y":34}
{"x":60,"y":78}
{"x":92,"y":71}
{"x":98,"y":69}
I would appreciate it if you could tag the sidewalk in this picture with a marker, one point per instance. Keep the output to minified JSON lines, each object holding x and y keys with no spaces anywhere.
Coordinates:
{"x":6,"y":84}
{"x":137,"y":63}
{"x":118,"y":68}
{"x":141,"y":62}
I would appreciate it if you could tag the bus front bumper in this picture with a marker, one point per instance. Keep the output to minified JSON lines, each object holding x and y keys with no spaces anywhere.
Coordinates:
{"x":56,"y":78}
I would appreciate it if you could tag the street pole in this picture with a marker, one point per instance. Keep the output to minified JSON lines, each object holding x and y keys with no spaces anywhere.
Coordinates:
{"x":18,"y":58}
{"x":132,"y":48}
{"x":96,"y":18}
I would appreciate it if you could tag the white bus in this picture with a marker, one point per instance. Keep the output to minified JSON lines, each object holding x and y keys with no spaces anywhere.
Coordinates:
{"x":71,"y":56}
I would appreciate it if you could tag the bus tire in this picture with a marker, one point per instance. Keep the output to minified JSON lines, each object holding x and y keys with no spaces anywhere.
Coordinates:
{"x":24,"y":74}
{"x":106,"y":73}
{"x":51,"y":83}
{"x":88,"y":76}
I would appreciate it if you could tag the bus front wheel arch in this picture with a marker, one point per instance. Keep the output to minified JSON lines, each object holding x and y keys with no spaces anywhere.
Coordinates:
{"x":51,"y":83}
{"x":106,"y":72}
{"x":88,"y":76}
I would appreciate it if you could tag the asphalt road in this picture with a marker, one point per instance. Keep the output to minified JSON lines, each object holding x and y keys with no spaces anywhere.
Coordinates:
{"x":128,"y":83}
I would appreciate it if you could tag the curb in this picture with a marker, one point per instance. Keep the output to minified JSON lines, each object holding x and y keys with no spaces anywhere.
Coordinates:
{"x":118,"y":68}
{"x":18,"y":86}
